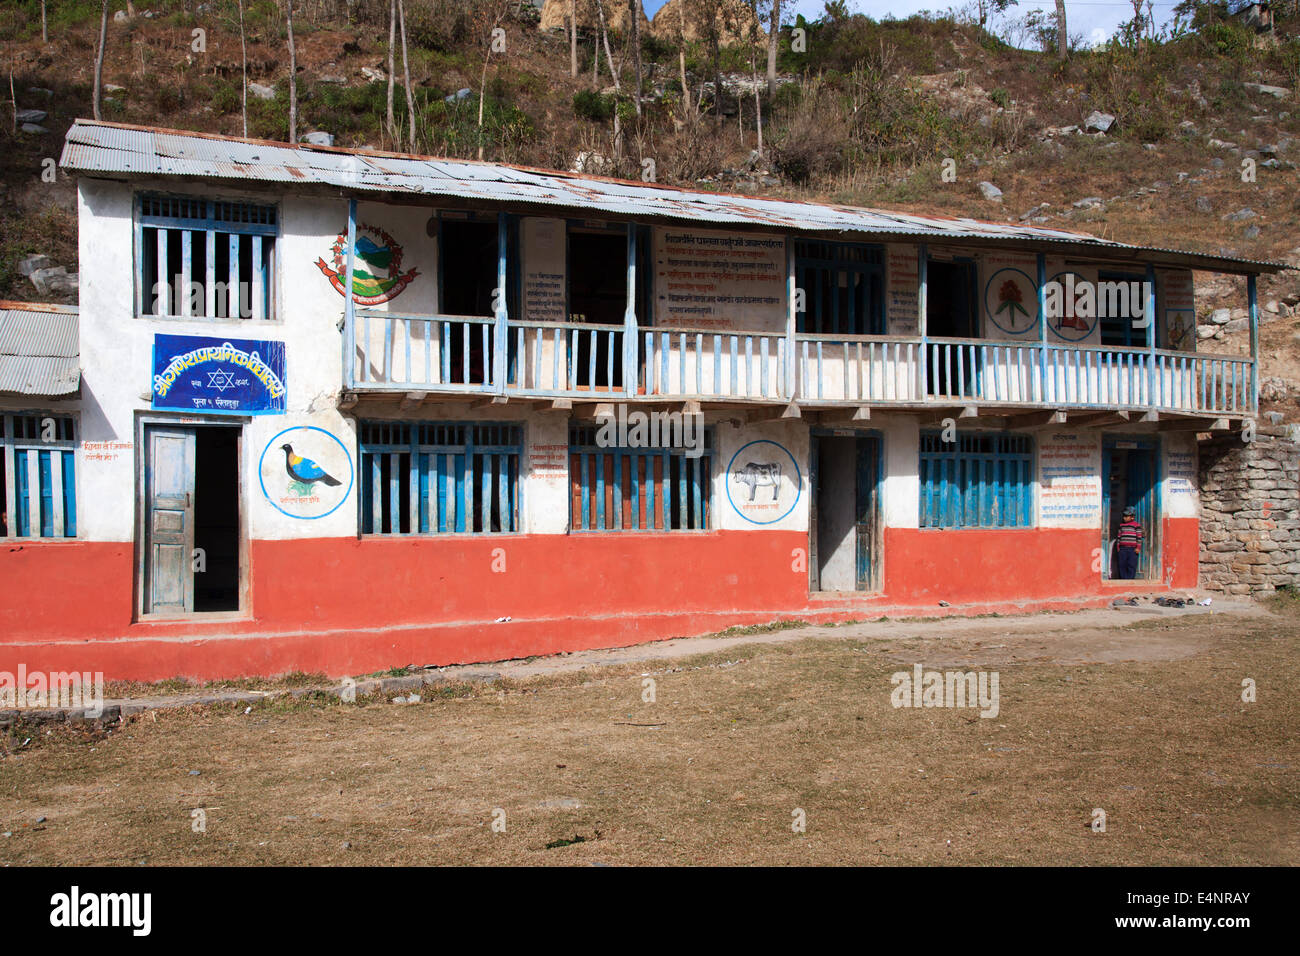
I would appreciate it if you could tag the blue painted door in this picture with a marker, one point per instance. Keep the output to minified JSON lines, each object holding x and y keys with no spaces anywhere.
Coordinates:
{"x":867,"y":493}
{"x":169,"y":519}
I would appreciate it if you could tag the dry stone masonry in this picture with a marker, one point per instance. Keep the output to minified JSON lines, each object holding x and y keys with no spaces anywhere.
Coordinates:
{"x":1250,"y":512}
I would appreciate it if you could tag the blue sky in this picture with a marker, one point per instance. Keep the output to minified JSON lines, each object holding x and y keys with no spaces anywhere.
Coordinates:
{"x":1094,"y":19}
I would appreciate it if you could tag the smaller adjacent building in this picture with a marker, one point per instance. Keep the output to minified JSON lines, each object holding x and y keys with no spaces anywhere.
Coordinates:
{"x":344,"y":410}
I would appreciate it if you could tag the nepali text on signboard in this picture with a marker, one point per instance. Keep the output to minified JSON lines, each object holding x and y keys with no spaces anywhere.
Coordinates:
{"x":218,"y":376}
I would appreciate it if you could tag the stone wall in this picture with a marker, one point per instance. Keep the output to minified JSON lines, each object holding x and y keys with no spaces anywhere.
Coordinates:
{"x":1250,"y":512}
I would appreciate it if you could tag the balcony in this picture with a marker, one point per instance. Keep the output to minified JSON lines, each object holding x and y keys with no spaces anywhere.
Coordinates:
{"x":450,"y":354}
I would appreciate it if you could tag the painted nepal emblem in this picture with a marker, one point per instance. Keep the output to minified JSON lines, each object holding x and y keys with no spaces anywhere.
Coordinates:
{"x":377,"y":274}
{"x":306,"y":472}
{"x":763,"y":482}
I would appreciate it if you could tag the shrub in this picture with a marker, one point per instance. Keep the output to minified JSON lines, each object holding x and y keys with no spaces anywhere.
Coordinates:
{"x":590,"y":105}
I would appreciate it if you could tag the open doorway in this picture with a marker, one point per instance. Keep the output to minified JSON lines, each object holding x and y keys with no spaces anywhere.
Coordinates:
{"x":844,"y":538}
{"x":951,"y":311}
{"x":597,"y":296}
{"x":191,"y":560}
{"x":1130,"y":481}
{"x":469,"y":253}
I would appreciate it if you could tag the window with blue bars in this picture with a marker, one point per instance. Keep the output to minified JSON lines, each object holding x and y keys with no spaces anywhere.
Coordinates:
{"x":638,"y":489}
{"x":38,"y":496}
{"x":844,"y":288}
{"x":976,"y":481}
{"x":205,"y":258}
{"x":440,"y":477}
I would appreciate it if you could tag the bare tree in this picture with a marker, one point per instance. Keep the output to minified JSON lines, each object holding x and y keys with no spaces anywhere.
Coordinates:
{"x":573,"y":38}
{"x":392,"y":42}
{"x":45,"y":32}
{"x":773,"y":35}
{"x":634,"y":11}
{"x":613,"y":72}
{"x":293,"y":75}
{"x":1062,"y":38}
{"x":99,"y":59}
{"x":243,"y":49}
{"x":681,"y":51}
{"x":406,"y":75}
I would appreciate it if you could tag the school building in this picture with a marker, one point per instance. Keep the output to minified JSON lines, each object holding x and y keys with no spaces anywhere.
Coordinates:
{"x":334,"y":410}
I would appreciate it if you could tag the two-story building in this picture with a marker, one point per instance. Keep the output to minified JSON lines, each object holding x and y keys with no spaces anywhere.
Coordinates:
{"x":343,"y":410}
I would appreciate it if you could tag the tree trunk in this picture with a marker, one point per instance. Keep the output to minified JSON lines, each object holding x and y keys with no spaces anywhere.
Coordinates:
{"x":1062,"y":37}
{"x":293,"y":75}
{"x":681,"y":52}
{"x":609,"y":59}
{"x":573,"y":38}
{"x":243,"y":48}
{"x":406,"y":75}
{"x":773,"y":35}
{"x":392,"y":69}
{"x":45,"y":31}
{"x":99,"y":59}
{"x":634,"y":11}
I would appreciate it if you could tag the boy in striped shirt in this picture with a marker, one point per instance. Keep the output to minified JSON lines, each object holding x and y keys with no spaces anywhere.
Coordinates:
{"x":1129,"y":541}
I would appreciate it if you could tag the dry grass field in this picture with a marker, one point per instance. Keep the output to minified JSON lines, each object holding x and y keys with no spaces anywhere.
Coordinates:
{"x":1142,"y":718}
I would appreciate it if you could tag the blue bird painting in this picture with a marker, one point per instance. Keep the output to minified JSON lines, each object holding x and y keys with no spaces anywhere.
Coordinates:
{"x":304,"y":471}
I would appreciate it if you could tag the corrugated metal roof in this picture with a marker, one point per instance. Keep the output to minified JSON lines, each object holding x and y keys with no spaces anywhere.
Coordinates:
{"x":39,"y":349}
{"x":110,"y":147}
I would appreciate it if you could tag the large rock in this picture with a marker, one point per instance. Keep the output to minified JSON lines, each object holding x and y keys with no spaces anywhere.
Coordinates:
{"x":262,"y":92}
{"x":990,"y":192}
{"x":319,"y":138}
{"x":32,"y":263}
{"x":1281,"y":92}
{"x":31,"y":116}
{"x":1099,"y":122}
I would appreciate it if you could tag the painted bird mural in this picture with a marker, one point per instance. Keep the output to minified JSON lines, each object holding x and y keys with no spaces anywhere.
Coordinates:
{"x":304,"y":471}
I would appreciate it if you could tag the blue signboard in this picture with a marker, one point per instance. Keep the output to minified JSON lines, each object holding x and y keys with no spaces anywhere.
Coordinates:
{"x":218,"y":376}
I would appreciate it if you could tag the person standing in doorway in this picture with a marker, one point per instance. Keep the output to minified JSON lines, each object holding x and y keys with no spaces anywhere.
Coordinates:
{"x":1129,"y":541}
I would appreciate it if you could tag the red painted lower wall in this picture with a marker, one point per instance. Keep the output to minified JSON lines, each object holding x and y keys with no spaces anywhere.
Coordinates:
{"x":348,"y":606}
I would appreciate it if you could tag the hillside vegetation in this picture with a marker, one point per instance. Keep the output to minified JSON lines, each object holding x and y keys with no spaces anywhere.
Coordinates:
{"x":863,"y":112}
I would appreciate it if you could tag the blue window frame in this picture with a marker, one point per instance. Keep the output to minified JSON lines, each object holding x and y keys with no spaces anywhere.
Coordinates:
{"x":977,"y":481}
{"x":205,"y":258}
{"x":38,"y":496}
{"x":844,"y":288}
{"x":638,"y":489}
{"x":440,"y":477}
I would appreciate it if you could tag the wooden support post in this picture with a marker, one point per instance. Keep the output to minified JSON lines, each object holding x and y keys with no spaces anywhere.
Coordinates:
{"x":593,"y":410}
{"x":1035,"y":419}
{"x":922,"y":260}
{"x":1149,"y":309}
{"x":1252,"y":302}
{"x":349,"y":306}
{"x":502,"y":334}
{"x":772,"y":413}
{"x":1042,"y":331}
{"x":629,"y":319}
{"x":791,"y":319}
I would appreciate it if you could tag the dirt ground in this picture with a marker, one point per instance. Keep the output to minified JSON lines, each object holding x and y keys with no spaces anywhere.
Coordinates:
{"x":1139,"y":715}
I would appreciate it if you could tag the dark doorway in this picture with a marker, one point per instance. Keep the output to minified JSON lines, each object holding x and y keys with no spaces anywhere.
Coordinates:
{"x":216,"y":519}
{"x":844,"y":530}
{"x":469,"y":251}
{"x":951,"y":311}
{"x":1129,"y":473}
{"x":597,"y":296}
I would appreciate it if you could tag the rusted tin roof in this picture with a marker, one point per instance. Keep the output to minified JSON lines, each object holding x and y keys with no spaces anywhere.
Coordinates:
{"x":96,"y":147}
{"x":39,"y":349}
